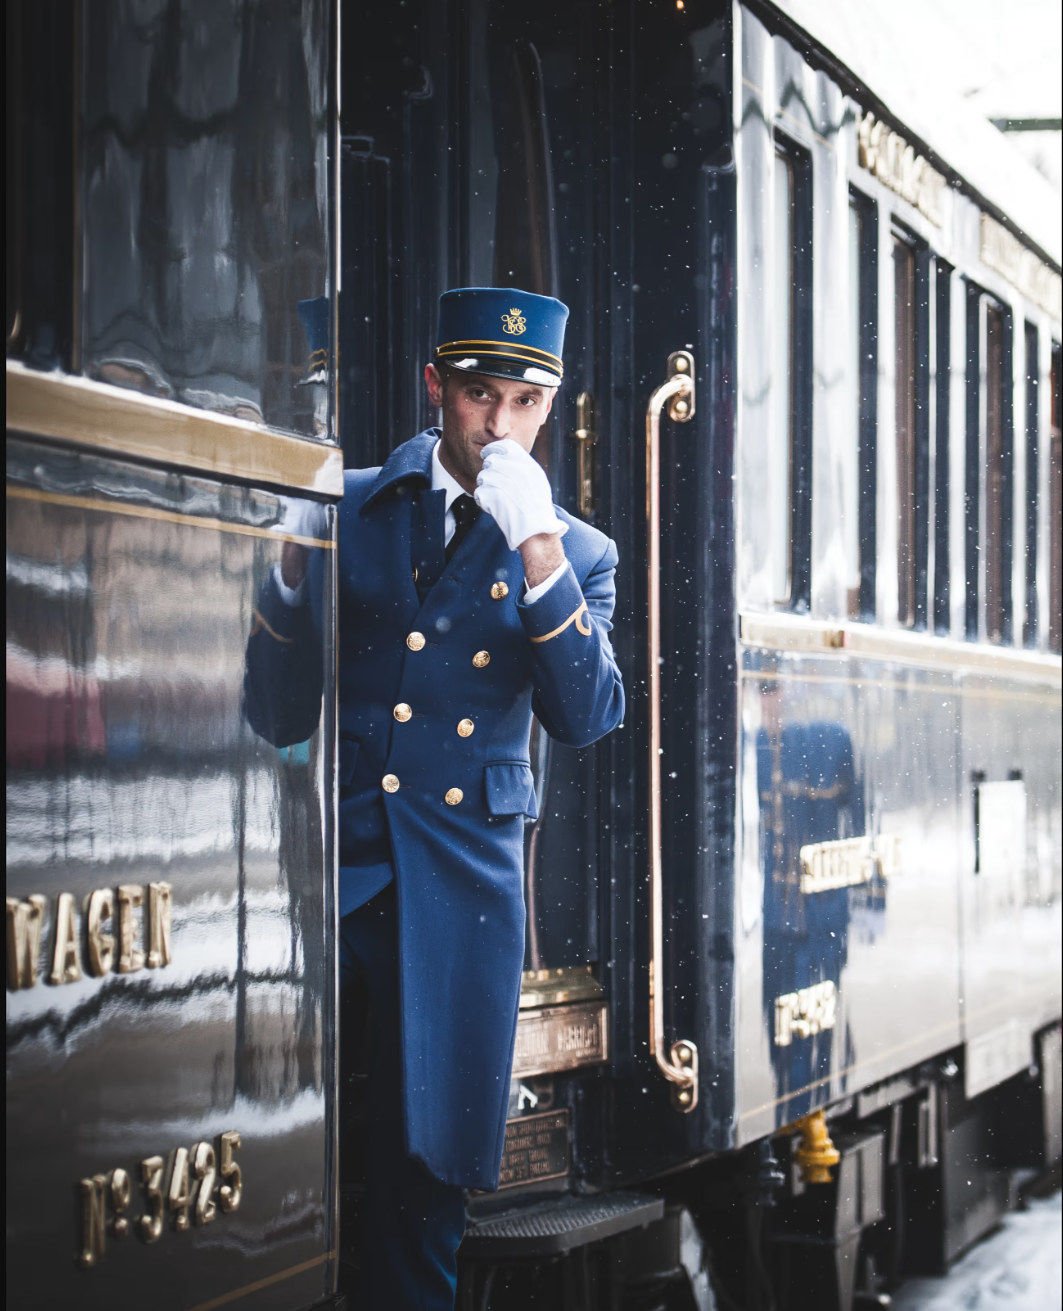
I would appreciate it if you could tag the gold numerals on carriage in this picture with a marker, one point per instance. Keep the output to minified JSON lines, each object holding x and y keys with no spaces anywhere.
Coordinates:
{"x":806,"y":1012}
{"x":190,"y":1187}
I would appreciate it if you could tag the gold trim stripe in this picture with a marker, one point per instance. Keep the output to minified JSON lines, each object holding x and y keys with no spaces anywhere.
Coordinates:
{"x":574,"y":618}
{"x":792,"y":633}
{"x":953,"y":1024}
{"x":519,"y":345}
{"x":944,"y":693}
{"x":126,"y":423}
{"x":165,"y":516}
{"x":267,"y":1282}
{"x":508,"y":355}
{"x":261,"y":625}
{"x":958,"y":1022}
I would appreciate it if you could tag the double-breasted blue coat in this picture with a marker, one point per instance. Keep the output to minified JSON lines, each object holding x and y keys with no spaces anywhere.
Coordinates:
{"x":436,"y":697}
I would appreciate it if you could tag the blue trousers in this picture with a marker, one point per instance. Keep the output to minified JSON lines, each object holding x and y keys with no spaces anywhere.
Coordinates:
{"x":412,"y":1224}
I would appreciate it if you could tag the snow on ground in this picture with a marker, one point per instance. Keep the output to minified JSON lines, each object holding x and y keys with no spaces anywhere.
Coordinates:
{"x":1018,"y":1268}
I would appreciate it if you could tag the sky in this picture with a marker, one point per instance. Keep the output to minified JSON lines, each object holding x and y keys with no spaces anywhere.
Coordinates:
{"x":1004,"y":57}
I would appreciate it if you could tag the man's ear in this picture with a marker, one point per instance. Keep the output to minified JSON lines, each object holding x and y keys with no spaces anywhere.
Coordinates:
{"x":433,"y":381}
{"x":550,"y":401}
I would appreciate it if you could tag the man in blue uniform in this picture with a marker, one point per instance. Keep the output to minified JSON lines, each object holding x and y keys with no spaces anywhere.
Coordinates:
{"x":467,"y":601}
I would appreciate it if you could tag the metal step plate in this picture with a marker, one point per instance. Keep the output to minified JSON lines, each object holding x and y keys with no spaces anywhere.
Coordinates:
{"x":557,"y":1225}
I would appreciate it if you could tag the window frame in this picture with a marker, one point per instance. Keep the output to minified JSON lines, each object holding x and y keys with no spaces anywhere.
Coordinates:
{"x":1032,"y":405}
{"x":798,"y":159}
{"x":980,"y":545}
{"x":911,"y":449}
{"x":865,"y":211}
{"x":1054,"y":461}
{"x":997,"y":526}
{"x":942,"y":277}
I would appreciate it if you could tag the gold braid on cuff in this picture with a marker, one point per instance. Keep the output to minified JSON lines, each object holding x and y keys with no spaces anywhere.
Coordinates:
{"x":260,"y":626}
{"x":576,"y":617}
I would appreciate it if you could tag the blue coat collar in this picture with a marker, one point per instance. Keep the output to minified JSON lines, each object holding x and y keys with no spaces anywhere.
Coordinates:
{"x":413,"y":459}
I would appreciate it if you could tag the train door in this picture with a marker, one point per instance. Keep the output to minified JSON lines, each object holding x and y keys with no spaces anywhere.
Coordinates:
{"x":473,"y":141}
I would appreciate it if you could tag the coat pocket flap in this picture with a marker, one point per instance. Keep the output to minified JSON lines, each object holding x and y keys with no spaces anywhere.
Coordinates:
{"x":510,"y":789}
{"x":348,"y":759}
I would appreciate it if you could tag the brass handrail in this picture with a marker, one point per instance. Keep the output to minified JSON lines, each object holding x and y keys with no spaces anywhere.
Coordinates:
{"x":679,"y":1063}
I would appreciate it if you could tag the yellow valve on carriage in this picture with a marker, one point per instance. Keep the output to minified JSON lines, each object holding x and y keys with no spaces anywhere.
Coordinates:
{"x":815,"y":1154}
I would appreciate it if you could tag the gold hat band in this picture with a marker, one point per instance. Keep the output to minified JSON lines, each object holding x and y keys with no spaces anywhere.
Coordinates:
{"x":506,"y":346}
{"x":508,"y":355}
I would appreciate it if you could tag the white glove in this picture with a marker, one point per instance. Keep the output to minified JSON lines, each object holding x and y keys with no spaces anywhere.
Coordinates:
{"x":305,"y":519}
{"x":515,"y":492}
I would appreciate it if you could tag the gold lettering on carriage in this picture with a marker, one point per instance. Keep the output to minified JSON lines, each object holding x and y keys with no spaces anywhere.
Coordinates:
{"x":848,"y":862}
{"x":116,"y":930}
{"x":804,"y":1013}
{"x":887,"y":156}
{"x":1006,"y":255}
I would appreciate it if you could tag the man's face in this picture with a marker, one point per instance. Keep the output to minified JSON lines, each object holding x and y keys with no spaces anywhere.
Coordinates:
{"x":478,"y":410}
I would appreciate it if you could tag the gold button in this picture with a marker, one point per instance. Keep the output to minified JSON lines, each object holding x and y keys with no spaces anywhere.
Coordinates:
{"x":465,"y":727}
{"x":389,"y":783}
{"x":454,"y":797}
{"x":415,"y":641}
{"x":499,"y":591}
{"x":402,"y":712}
{"x":481,"y":659}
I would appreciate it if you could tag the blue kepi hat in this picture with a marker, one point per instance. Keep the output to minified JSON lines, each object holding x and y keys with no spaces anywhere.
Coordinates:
{"x":502,"y":332}
{"x":314,"y":315}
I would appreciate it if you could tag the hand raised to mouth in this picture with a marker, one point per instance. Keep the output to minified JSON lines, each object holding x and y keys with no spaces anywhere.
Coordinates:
{"x":513,"y":488}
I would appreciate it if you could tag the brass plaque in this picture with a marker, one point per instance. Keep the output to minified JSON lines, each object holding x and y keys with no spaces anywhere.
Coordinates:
{"x":536,"y":1148}
{"x":560,"y":1038}
{"x":565,"y":986}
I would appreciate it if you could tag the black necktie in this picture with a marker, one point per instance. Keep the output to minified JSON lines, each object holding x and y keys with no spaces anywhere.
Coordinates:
{"x":466,"y":512}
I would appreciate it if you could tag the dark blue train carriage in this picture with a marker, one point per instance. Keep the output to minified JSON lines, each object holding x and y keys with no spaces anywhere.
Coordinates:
{"x":799,"y":919}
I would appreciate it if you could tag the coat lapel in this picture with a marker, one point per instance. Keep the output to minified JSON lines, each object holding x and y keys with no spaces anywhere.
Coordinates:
{"x":393,"y":502}
{"x":393,"y":509}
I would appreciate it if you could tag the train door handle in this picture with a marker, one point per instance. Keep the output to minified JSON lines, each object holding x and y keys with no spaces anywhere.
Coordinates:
{"x":679,"y":1061}
{"x":587,"y":436}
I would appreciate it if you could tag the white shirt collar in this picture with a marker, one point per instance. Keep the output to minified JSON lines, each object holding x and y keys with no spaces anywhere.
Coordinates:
{"x":442,"y":481}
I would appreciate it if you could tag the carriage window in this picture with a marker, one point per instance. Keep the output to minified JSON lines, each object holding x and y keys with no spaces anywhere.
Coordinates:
{"x":201,"y":231}
{"x":788,"y":467}
{"x":972,"y":456}
{"x":988,"y":477}
{"x":997,"y":520}
{"x":780,"y":466}
{"x":14,"y":134}
{"x":1032,"y":497}
{"x":1055,"y":510}
{"x":910,"y":322}
{"x":863,"y":314}
{"x":942,"y":481}
{"x":40,"y":179}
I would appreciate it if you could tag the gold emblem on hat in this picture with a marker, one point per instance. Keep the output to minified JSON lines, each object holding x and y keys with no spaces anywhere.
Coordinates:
{"x":514,"y":322}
